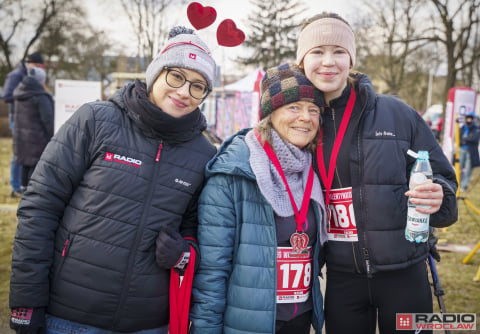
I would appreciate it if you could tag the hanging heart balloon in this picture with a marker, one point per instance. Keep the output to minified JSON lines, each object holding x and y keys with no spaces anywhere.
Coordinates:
{"x":228,"y":34}
{"x":199,"y":16}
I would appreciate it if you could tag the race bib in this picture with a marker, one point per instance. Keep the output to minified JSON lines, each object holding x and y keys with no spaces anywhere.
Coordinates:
{"x":294,"y":275}
{"x":341,"y":217}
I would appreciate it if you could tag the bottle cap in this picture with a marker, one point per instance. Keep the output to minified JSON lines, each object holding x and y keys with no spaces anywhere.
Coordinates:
{"x":423,"y":155}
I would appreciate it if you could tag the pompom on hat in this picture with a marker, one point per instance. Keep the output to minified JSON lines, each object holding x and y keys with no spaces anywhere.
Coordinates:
{"x":186,"y":50}
{"x":38,"y":74}
{"x":326,"y":31}
{"x":286,"y":84}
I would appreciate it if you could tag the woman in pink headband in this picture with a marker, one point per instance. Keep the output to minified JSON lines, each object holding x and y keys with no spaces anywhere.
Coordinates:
{"x":373,"y":272}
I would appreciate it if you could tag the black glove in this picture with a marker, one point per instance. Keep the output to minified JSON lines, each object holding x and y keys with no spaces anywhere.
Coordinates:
{"x":28,"y":320}
{"x":432,"y":242}
{"x":171,"y":249}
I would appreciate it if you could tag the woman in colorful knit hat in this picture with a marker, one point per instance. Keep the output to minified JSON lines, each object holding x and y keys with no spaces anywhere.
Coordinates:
{"x":111,"y":207}
{"x":373,"y":272}
{"x":262,"y":219}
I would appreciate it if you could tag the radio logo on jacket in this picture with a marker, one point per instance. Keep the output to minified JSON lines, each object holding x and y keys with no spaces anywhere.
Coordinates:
{"x":122,"y":159}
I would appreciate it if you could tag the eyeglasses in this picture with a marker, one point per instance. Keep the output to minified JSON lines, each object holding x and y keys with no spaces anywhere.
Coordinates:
{"x":176,"y":79}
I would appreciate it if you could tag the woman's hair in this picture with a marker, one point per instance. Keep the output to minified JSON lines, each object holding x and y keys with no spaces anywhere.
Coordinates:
{"x":265,"y":126}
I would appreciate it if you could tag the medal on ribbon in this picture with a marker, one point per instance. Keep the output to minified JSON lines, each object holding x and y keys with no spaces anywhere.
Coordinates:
{"x":299,"y":243}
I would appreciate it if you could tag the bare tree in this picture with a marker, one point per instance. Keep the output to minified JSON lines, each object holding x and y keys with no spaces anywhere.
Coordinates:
{"x":455,"y":30}
{"x":416,"y":37}
{"x":19,"y":16}
{"x":148,"y":19}
{"x":390,"y":51}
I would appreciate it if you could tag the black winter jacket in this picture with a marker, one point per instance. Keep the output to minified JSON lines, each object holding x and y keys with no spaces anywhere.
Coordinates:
{"x":85,"y":243}
{"x":380,"y":170}
{"x":33,"y":121}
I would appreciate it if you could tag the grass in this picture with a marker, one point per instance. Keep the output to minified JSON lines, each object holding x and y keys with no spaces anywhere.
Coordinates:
{"x":462,"y":293}
{"x":8,"y":224}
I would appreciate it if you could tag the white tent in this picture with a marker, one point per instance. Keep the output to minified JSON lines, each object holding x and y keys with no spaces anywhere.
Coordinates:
{"x":247,"y":83}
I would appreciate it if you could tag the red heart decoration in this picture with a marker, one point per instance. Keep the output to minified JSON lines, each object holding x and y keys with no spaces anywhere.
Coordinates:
{"x":200,"y":17}
{"x":228,"y":34}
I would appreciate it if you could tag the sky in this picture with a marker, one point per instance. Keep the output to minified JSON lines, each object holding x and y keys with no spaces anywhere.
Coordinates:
{"x":117,"y":26}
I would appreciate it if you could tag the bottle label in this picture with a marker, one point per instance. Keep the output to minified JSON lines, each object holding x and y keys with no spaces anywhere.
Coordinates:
{"x":417,"y":179}
{"x":417,"y":221}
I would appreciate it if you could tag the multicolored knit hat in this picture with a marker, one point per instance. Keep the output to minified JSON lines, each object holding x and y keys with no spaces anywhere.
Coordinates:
{"x":286,"y":84}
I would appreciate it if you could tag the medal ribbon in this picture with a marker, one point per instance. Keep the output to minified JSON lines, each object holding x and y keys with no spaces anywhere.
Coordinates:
{"x":301,"y":216}
{"x":328,"y":178}
{"x":179,"y":298}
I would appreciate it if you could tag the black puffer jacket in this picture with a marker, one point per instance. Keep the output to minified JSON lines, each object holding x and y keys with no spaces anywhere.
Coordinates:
{"x":33,"y":121}
{"x":85,"y":244}
{"x":379,"y":171}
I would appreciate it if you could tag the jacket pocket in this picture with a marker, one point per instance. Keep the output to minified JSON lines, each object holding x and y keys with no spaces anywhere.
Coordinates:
{"x":60,"y":259}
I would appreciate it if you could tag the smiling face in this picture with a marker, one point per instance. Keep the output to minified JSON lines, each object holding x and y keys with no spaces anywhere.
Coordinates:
{"x":176,"y":102}
{"x":297,"y":122}
{"x":327,"y":67}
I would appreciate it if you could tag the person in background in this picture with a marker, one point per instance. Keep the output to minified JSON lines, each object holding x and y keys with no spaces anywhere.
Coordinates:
{"x":11,"y":82}
{"x":373,"y":272}
{"x":262,"y":220}
{"x":111,"y":207}
{"x":33,"y":126}
{"x":469,"y":156}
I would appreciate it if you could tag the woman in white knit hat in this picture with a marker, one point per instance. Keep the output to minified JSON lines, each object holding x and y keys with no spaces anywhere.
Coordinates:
{"x":373,"y":272}
{"x":111,"y":207}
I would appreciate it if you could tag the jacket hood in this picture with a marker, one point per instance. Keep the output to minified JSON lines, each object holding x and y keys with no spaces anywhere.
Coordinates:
{"x":27,"y":88}
{"x":232,"y":158}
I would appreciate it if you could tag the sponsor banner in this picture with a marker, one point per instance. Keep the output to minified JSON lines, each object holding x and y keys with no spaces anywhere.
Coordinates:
{"x":70,"y":95}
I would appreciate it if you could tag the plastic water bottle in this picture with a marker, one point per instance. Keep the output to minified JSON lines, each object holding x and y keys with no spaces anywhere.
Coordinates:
{"x":418,"y":223}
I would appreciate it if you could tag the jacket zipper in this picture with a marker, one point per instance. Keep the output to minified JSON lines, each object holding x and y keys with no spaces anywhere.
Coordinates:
{"x":367,"y":262}
{"x":355,"y":259}
{"x":160,"y":146}
{"x":366,"y":255}
{"x":65,"y":248}
{"x":138,"y":237}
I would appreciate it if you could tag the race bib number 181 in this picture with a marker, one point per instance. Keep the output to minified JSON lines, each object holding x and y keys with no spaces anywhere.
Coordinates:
{"x":342,"y":226}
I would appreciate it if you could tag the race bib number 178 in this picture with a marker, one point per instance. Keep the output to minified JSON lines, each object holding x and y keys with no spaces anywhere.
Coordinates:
{"x":294,"y":275}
